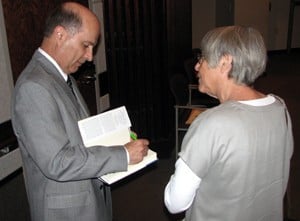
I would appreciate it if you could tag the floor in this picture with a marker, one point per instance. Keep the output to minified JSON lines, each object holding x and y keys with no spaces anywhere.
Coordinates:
{"x":140,"y":198}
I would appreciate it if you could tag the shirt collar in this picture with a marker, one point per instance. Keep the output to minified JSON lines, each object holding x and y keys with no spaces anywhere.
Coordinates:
{"x":64,"y":75}
{"x":260,"y":102}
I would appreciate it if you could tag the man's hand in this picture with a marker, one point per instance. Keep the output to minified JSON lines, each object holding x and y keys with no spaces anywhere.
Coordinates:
{"x":137,"y":149}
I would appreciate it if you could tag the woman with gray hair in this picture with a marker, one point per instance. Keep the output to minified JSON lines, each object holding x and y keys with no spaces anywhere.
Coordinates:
{"x":235,"y":158}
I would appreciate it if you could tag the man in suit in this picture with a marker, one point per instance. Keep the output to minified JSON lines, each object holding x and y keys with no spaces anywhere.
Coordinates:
{"x":60,"y":172}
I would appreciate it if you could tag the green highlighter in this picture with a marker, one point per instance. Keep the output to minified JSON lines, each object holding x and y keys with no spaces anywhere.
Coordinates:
{"x":133,"y":136}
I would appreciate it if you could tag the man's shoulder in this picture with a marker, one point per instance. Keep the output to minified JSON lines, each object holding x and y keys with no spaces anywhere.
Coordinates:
{"x":33,"y":72}
{"x":34,"y":76}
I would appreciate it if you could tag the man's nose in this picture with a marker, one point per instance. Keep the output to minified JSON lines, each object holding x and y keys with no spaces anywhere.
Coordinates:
{"x":89,"y":54}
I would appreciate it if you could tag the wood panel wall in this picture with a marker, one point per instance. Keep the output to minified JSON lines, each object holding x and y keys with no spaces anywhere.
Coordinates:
{"x":24,"y":21}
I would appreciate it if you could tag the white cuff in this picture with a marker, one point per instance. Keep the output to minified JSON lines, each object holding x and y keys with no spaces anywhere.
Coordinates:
{"x":127,"y":154}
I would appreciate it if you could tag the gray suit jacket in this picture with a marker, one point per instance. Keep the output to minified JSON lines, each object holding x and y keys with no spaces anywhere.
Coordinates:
{"x":60,"y":173}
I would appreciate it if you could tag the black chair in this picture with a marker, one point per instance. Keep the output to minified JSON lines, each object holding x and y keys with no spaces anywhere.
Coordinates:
{"x":179,"y":88}
{"x":184,"y":110}
{"x":196,"y":97}
{"x":189,"y":102}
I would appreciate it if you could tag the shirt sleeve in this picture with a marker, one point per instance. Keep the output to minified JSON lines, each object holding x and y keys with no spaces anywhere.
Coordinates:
{"x":181,"y":188}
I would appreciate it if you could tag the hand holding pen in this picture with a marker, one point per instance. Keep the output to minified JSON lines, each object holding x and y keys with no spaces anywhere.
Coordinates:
{"x":137,"y":148}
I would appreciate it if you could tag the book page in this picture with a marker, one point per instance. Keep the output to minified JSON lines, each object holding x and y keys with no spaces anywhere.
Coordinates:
{"x":118,"y":137}
{"x":108,"y":129}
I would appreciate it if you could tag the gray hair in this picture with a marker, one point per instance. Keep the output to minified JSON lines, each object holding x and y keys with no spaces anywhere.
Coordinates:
{"x":244,"y":44}
{"x":64,"y":17}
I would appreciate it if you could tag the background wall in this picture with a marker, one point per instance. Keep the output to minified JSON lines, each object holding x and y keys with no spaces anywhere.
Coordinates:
{"x":270,"y":17}
{"x":6,"y":83}
{"x":203,"y":19}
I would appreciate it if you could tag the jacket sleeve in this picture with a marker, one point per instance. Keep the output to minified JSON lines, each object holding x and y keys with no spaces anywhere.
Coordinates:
{"x":47,"y":129}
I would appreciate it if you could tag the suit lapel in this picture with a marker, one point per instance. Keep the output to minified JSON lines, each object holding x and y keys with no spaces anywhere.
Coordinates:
{"x":77,"y":100}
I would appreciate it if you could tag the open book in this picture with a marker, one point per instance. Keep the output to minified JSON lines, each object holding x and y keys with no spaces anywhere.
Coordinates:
{"x":108,"y":129}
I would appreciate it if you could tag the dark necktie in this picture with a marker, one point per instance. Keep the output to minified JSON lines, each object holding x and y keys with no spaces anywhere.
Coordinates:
{"x":83,"y":108}
{"x":69,"y":82}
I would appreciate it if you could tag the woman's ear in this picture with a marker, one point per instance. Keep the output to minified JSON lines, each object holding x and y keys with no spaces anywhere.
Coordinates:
{"x":226,"y":64}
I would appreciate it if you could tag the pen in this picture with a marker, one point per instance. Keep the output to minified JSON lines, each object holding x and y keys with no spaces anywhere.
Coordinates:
{"x":133,"y":136}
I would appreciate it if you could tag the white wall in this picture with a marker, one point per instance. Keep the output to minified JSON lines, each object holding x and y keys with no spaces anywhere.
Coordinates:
{"x":11,"y":161}
{"x":99,"y":58}
{"x":6,"y":81}
{"x":272,"y":24}
{"x":102,"y":100}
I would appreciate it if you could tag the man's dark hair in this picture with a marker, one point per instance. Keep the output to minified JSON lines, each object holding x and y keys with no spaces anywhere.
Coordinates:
{"x":66,"y":18}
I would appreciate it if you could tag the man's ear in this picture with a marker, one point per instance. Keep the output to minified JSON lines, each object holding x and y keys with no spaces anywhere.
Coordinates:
{"x":60,"y":33}
{"x":226,"y":64}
